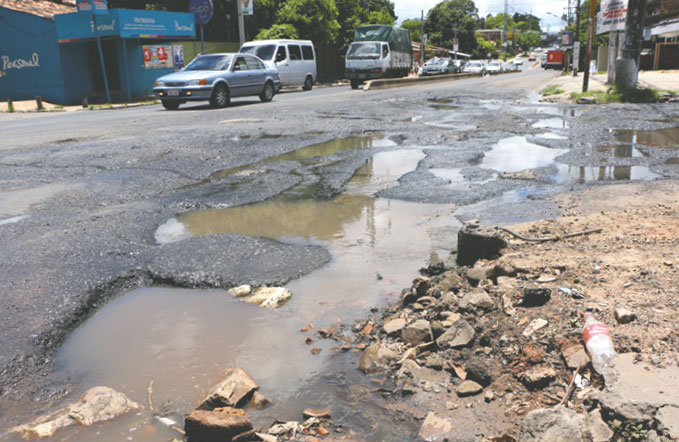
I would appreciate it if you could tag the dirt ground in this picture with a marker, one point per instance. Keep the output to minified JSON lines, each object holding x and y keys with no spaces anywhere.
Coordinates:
{"x":631,"y":264}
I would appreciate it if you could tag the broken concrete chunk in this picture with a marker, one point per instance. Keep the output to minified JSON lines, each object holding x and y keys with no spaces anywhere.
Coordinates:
{"x":475,"y":242}
{"x":538,"y":377}
{"x":269,"y":297}
{"x":240,"y":291}
{"x":575,"y":356}
{"x":435,"y":429}
{"x":281,"y":428}
{"x":476,"y":299}
{"x":234,"y":391}
{"x":553,"y":425}
{"x":377,"y":357}
{"x":597,"y":428}
{"x":218,"y":424}
{"x":98,"y":404}
{"x":668,"y":419}
{"x":394,"y":326}
{"x":623,"y":316}
{"x":458,"y":335}
{"x":417,"y":333}
{"x":468,"y":388}
{"x":479,"y":273}
{"x":534,"y":326}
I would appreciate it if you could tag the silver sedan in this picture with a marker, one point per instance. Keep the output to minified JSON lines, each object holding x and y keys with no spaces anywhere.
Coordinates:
{"x":217,"y":78}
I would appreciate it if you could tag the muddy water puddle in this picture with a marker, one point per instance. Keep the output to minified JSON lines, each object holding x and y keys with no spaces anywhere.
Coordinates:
{"x":667,"y":138}
{"x":551,"y":123}
{"x":182,"y":340}
{"x":514,"y":154}
{"x":591,"y":174}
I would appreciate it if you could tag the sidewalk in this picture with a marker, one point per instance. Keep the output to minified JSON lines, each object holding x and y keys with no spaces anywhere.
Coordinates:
{"x":31,"y":106}
{"x":665,"y":80}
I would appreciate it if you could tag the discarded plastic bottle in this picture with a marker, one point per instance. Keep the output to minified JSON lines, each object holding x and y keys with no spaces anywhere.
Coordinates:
{"x":598,"y":342}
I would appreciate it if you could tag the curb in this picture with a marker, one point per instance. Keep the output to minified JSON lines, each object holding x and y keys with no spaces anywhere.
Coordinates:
{"x":398,"y":82}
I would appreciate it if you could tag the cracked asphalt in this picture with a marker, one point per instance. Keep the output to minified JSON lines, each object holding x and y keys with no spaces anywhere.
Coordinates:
{"x":92,"y":188}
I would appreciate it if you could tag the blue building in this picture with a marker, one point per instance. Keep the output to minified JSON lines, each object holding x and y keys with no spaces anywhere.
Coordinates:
{"x":48,"y":50}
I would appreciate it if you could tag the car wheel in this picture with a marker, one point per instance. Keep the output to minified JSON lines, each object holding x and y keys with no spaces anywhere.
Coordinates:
{"x":354,"y":84}
{"x":308,"y":83}
{"x":220,"y":96}
{"x":267,"y":93}
{"x":170,"y":104}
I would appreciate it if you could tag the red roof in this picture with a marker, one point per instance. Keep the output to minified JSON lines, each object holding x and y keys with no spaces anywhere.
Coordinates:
{"x":41,"y":8}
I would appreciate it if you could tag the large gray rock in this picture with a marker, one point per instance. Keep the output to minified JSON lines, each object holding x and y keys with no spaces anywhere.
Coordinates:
{"x":98,"y":404}
{"x":394,"y":326}
{"x":221,"y":424}
{"x":475,"y":242}
{"x":553,"y":425}
{"x":435,"y":428}
{"x":377,"y":357}
{"x":458,"y":335}
{"x":636,"y":390}
{"x":476,"y":299}
{"x":668,"y":420}
{"x":597,"y":428}
{"x":417,"y":333}
{"x":234,"y":391}
{"x":468,"y":388}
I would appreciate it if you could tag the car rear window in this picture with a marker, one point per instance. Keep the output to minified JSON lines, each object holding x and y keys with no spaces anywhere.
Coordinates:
{"x":295,"y":52}
{"x":307,"y":52}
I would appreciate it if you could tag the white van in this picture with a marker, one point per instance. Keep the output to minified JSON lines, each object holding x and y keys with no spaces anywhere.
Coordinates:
{"x":294,"y":59}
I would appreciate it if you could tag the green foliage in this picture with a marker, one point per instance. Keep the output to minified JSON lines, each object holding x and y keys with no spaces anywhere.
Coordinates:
{"x":529,"y":21}
{"x":380,"y":18}
{"x":415,"y":28}
{"x":528,"y":39}
{"x":314,"y":19}
{"x":498,"y":21}
{"x":278,"y":32}
{"x":483,"y":48}
{"x":615,"y":95}
{"x":450,"y":17}
{"x":551,"y":89}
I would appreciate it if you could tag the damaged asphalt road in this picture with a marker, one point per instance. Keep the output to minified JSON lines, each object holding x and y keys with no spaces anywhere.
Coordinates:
{"x":95,"y":186}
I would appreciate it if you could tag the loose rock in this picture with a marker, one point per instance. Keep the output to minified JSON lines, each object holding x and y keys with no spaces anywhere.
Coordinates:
{"x":234,"y":391}
{"x":394,"y":326}
{"x":468,"y":388}
{"x":476,"y":299}
{"x":435,"y":429}
{"x":623,"y":316}
{"x":269,"y":297}
{"x":534,"y":326}
{"x":538,"y":377}
{"x":552,"y":425}
{"x":458,"y":335}
{"x":218,"y":424}
{"x":417,"y":333}
{"x":240,"y":291}
{"x":377,"y":357}
{"x":98,"y":404}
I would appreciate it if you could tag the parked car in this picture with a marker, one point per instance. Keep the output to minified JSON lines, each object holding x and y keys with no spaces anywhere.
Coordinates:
{"x":475,"y":67}
{"x":511,"y":67}
{"x":518,"y":60}
{"x":458,"y":65}
{"x":495,"y":67}
{"x":294,"y":59}
{"x":217,"y":78}
{"x":435,"y":66}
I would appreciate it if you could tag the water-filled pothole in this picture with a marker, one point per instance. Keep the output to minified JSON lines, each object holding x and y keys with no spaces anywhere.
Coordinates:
{"x":623,"y":151}
{"x":184,"y":339}
{"x":551,"y":123}
{"x":591,"y":174}
{"x":515,"y":154}
{"x":667,"y":138}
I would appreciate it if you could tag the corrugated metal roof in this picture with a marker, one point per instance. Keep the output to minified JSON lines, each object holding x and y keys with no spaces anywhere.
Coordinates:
{"x":40,"y":8}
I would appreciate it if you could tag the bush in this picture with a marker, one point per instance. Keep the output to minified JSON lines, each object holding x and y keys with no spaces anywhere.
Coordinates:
{"x":551,"y":89}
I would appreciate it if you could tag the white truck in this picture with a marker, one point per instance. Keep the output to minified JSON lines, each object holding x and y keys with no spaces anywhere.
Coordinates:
{"x":378,"y":51}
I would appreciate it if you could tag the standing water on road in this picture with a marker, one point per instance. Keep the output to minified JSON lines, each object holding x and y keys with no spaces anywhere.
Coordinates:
{"x":182,"y":340}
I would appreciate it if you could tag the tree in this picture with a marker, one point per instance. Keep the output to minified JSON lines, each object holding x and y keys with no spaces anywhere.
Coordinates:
{"x":627,"y":66}
{"x":528,"y":39}
{"x":483,"y":48}
{"x":532,"y":23}
{"x":276,"y":32}
{"x":415,"y":28}
{"x":383,"y":7}
{"x":265,"y":15}
{"x":498,"y":21}
{"x":452,"y":17}
{"x":314,"y":19}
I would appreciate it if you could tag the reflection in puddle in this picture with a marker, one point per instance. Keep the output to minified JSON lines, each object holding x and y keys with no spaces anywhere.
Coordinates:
{"x":551,"y":136}
{"x":305,"y":154}
{"x":551,"y":123}
{"x":441,"y":100}
{"x":443,"y":106}
{"x":623,"y":151}
{"x":515,"y":154}
{"x":674,"y":160}
{"x":667,"y":138}
{"x":455,"y":125}
{"x":587,"y":174}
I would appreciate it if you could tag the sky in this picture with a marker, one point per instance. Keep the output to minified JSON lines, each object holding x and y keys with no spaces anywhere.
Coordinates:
{"x":406,"y":9}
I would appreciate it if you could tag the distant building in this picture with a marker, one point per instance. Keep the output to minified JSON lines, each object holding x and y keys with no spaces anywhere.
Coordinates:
{"x":48,"y":50}
{"x":661,"y":28}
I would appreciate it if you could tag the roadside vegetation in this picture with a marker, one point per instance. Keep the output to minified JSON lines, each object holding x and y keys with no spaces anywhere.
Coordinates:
{"x":616,"y":95}
{"x":552,"y":89}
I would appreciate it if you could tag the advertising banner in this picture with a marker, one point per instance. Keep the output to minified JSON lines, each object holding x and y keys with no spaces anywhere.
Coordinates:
{"x":247,"y":7}
{"x":567,"y":38}
{"x":157,"y":56}
{"x":612,"y":16}
{"x":91,"y":7}
{"x":178,"y":57}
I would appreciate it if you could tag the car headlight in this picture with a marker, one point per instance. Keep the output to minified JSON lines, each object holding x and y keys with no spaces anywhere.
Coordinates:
{"x":200,"y":82}
{"x":159,"y":83}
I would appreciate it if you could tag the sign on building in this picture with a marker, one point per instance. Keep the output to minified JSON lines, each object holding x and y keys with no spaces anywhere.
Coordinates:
{"x":158,"y":56}
{"x":92,"y":7}
{"x":612,"y":16}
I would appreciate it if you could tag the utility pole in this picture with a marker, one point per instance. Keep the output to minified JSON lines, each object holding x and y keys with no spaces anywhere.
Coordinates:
{"x":504,"y":37}
{"x":590,"y":37}
{"x":241,"y":23}
{"x":627,"y":66}
{"x":576,"y":44}
{"x":422,"y":40}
